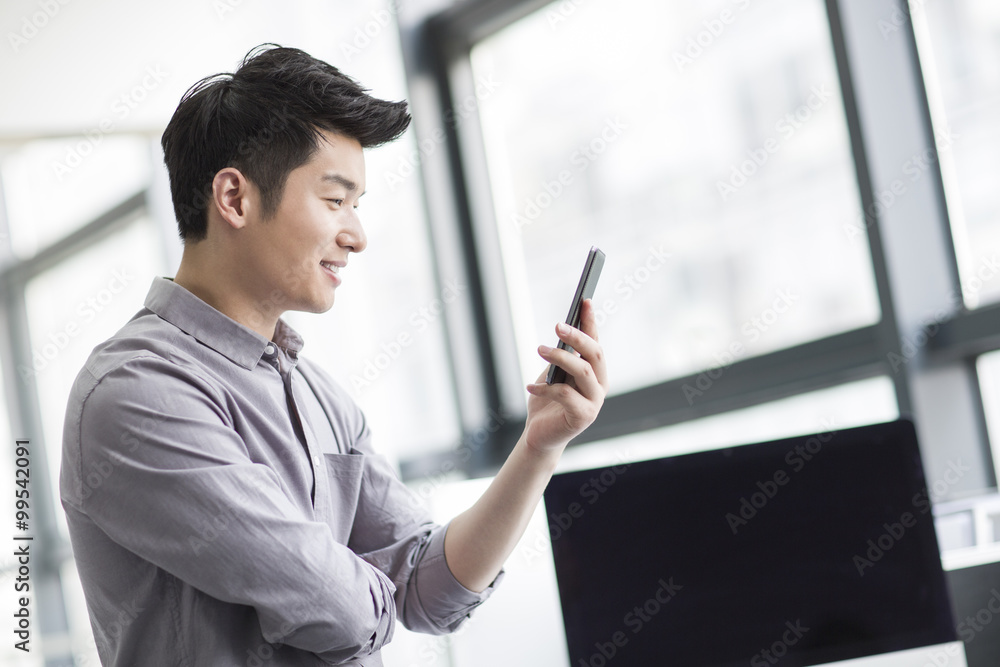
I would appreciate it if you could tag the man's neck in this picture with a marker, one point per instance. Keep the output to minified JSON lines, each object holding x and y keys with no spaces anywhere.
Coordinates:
{"x":214,"y":288}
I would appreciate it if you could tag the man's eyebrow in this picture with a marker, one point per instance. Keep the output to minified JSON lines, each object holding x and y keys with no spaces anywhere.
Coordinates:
{"x":340,"y":180}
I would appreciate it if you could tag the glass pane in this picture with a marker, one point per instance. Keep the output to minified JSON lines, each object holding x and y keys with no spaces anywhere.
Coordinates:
{"x":959,"y":46}
{"x":384,"y":339}
{"x":988,"y":369}
{"x":54,"y":186}
{"x":76,"y":305}
{"x":869,"y":401}
{"x":704,"y":149}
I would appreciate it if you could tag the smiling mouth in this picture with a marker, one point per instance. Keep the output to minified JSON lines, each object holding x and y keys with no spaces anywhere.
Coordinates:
{"x":333,"y":271}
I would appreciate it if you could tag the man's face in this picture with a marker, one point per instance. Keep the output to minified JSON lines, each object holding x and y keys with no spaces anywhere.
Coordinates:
{"x":296,"y":255}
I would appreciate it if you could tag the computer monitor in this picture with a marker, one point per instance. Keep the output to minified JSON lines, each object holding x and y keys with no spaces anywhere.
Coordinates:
{"x":802,"y":551}
{"x":975,"y":596}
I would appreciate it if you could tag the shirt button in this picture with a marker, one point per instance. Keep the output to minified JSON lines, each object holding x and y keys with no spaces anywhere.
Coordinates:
{"x":269,"y":350}
{"x":316,"y":460}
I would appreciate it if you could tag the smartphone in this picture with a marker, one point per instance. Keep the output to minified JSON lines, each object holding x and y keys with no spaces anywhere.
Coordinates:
{"x":584,"y":290}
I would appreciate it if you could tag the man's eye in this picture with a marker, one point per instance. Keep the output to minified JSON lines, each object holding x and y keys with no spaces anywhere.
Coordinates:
{"x":338,"y":202}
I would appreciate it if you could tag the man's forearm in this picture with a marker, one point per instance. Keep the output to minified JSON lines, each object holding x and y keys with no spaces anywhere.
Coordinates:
{"x":481,"y":538}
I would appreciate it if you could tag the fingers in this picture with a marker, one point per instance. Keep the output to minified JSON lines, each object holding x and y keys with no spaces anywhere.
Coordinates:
{"x":584,"y":341}
{"x":588,"y":370}
{"x":582,"y":375}
{"x":588,"y":319}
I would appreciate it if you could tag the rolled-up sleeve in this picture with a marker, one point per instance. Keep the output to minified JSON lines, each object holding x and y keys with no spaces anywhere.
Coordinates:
{"x":434,"y":601}
{"x":392,"y":531}
{"x":183,"y":493}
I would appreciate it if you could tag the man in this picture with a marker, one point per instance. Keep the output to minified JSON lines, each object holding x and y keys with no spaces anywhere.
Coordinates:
{"x":224,"y":500}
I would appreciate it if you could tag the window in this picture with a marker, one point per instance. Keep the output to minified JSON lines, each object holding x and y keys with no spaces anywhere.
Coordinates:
{"x":717,"y":151}
{"x":53,"y":186}
{"x":750,"y":258}
{"x":854,"y":404}
{"x":75,"y":305}
{"x":959,"y":54}
{"x":709,"y":211}
{"x":988,"y":367}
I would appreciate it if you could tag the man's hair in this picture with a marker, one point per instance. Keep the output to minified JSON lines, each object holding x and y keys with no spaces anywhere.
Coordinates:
{"x":265,"y":119}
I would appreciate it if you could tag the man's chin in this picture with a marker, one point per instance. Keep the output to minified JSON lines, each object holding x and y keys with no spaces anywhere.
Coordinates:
{"x":315,"y":306}
{"x":324,"y":305}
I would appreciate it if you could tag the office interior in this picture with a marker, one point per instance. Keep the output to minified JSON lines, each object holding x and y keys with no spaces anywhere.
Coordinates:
{"x":797,"y":199}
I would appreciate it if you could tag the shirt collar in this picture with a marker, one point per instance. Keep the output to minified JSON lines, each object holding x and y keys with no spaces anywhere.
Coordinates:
{"x":223,"y":334}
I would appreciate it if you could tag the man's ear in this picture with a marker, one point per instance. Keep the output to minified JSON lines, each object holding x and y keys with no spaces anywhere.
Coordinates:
{"x":232,"y":196}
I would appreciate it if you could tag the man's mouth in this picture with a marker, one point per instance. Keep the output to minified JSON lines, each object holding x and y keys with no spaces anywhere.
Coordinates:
{"x":333,"y":270}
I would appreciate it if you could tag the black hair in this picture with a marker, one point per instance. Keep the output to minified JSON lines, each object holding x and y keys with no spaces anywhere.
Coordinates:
{"x":265,"y":119}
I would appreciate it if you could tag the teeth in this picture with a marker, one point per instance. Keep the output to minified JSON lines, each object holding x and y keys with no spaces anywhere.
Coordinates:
{"x":332,"y":267}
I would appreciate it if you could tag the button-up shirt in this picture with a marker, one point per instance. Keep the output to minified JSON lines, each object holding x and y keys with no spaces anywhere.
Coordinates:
{"x":226,"y":507}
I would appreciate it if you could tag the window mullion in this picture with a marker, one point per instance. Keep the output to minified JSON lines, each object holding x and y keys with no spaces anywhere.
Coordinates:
{"x":909,"y":220}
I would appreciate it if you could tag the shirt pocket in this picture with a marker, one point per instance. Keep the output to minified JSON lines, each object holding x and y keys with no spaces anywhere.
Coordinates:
{"x":344,"y":473}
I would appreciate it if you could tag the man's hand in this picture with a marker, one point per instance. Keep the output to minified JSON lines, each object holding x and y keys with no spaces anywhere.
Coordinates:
{"x":559,"y":412}
{"x":479,"y":539}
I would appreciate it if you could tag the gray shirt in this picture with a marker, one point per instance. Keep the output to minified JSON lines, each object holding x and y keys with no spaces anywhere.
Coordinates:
{"x":225,"y":505}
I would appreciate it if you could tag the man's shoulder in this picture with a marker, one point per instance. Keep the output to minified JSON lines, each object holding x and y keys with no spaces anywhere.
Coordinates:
{"x":144,"y":344}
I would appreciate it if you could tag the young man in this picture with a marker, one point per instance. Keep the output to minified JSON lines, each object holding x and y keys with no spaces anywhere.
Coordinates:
{"x":224,"y":500}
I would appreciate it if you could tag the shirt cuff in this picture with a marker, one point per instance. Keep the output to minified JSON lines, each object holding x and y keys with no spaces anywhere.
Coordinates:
{"x":441,"y":595}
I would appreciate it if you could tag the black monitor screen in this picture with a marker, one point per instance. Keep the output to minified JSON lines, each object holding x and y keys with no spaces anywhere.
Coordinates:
{"x":795,"y":552}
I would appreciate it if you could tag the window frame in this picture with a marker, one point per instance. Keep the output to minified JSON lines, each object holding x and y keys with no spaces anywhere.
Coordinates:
{"x":54,"y":551}
{"x":437,"y":40}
